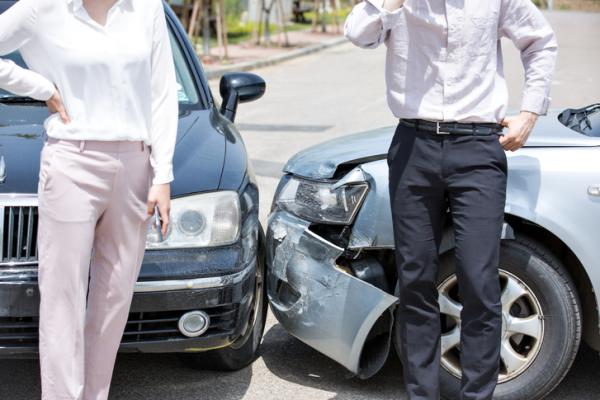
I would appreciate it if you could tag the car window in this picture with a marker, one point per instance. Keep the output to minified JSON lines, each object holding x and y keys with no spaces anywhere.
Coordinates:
{"x":187,"y":90}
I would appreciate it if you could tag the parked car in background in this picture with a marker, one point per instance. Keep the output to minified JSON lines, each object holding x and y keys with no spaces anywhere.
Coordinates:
{"x":200,"y":291}
{"x":331,"y":277}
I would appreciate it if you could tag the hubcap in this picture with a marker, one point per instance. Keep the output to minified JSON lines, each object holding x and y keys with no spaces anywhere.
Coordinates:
{"x":522,"y":326}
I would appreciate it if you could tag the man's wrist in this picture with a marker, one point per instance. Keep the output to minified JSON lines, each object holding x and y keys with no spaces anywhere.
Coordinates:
{"x":529,"y":115}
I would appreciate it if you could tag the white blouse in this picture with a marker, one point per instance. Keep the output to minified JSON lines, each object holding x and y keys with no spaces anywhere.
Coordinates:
{"x":117,"y":81}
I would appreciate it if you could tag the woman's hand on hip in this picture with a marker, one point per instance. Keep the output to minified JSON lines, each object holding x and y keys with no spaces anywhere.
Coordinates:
{"x":55,"y":105}
{"x":160,"y":195}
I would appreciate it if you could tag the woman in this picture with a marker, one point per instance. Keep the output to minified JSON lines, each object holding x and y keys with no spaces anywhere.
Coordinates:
{"x":106,"y":164}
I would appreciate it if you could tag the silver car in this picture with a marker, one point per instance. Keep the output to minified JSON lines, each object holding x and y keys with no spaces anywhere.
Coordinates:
{"x":332,"y":276}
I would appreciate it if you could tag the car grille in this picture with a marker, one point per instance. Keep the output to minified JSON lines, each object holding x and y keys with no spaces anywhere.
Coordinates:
{"x":141,"y":326}
{"x":18,"y":234}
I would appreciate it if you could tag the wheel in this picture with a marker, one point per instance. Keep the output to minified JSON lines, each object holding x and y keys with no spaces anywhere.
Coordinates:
{"x":541,"y":329}
{"x":244,"y":350}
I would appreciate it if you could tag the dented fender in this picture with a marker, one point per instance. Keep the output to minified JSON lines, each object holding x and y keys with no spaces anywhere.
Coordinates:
{"x":316,"y":301}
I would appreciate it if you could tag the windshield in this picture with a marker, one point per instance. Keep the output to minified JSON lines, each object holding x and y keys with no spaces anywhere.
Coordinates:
{"x":187,"y":90}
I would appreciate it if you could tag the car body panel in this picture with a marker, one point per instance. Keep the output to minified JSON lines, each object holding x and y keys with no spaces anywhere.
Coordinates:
{"x":199,"y":147}
{"x":236,"y":159}
{"x":227,"y":305}
{"x":322,"y":160}
{"x":333,"y":311}
{"x":373,"y":224}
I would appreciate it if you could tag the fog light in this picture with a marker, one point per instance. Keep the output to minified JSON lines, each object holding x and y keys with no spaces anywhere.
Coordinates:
{"x":194,"y":323}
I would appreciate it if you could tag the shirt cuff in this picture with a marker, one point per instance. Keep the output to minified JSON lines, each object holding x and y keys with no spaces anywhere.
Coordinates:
{"x":162,"y":175}
{"x":385,"y":15}
{"x":536,"y":103}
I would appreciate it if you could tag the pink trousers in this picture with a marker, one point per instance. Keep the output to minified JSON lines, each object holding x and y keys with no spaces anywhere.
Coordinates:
{"x":92,"y":228}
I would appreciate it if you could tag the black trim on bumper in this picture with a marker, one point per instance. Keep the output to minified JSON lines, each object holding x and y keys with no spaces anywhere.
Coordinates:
{"x":152,"y":325}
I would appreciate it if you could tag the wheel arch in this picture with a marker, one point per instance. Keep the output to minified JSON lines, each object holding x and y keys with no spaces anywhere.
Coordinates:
{"x":575,"y":269}
{"x":558,"y":248}
{"x":520,"y":222}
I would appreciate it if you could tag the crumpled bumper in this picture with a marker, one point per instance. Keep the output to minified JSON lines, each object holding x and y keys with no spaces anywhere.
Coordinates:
{"x":316,"y":301}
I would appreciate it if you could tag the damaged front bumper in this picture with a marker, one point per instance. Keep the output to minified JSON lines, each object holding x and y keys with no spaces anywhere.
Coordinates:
{"x":318,"y":302}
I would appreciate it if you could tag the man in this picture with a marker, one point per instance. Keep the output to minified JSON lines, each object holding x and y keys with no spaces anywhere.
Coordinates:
{"x":446,"y":85}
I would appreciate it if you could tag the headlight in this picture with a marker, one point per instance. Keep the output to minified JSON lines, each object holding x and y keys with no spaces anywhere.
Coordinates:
{"x":202,"y":220}
{"x":322,"y":201}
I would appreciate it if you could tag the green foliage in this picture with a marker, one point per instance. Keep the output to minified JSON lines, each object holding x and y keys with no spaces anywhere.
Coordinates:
{"x":341,"y":14}
{"x":233,"y":8}
{"x":238,"y":31}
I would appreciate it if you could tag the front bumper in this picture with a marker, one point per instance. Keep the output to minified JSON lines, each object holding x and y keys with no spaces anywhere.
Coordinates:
{"x":313,"y":298}
{"x":219,"y":281}
{"x":157,"y":304}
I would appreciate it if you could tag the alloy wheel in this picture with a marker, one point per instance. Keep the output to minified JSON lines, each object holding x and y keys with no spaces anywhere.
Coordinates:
{"x":522,"y":326}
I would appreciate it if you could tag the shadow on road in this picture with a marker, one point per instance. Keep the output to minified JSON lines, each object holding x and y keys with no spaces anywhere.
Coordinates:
{"x":163,"y":376}
{"x":293,"y":361}
{"x":137,"y":377}
{"x":581,"y":383}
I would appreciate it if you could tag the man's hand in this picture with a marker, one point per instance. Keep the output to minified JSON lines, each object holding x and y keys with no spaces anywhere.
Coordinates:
{"x":55,"y":105}
{"x":160,"y":195}
{"x":519,"y":128}
{"x":392,"y":5}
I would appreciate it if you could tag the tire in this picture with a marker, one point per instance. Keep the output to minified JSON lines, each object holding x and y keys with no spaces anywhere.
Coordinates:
{"x":244,"y":350}
{"x":552,"y":293}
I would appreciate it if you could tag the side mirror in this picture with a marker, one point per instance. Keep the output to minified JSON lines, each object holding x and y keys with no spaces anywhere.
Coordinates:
{"x":239,"y":87}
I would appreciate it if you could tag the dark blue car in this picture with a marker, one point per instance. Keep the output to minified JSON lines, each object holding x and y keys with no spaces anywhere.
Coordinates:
{"x":200,"y":291}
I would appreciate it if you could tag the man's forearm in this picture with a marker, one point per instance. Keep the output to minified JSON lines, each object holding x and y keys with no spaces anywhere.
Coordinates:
{"x":524,"y":24}
{"x":392,"y":5}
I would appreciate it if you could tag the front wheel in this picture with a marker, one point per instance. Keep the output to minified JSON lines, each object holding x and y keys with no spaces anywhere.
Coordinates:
{"x":244,"y":350}
{"x":541,"y":328}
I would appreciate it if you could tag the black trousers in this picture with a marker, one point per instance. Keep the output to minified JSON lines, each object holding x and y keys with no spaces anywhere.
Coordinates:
{"x":429,"y":174}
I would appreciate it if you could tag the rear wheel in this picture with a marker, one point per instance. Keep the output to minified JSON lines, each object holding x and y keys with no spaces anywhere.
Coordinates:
{"x":244,"y":350}
{"x":541,"y":328}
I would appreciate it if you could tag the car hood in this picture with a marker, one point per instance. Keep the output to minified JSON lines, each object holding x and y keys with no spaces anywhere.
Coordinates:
{"x":322,"y":160}
{"x":199,"y":148}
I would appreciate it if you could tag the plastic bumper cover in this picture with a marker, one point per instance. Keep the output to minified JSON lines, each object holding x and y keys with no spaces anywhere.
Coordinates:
{"x":314,"y":300}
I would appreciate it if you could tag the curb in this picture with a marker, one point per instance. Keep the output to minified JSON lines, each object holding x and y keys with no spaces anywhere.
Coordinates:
{"x":216,"y":73}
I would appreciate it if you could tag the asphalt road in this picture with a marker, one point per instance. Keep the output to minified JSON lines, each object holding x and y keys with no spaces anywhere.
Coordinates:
{"x":336,"y":92}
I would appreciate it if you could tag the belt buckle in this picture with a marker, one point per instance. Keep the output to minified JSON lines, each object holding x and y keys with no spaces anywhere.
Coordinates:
{"x":437,"y":129}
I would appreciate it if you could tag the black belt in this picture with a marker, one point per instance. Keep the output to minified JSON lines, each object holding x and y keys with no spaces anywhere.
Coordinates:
{"x":453,"y":128}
